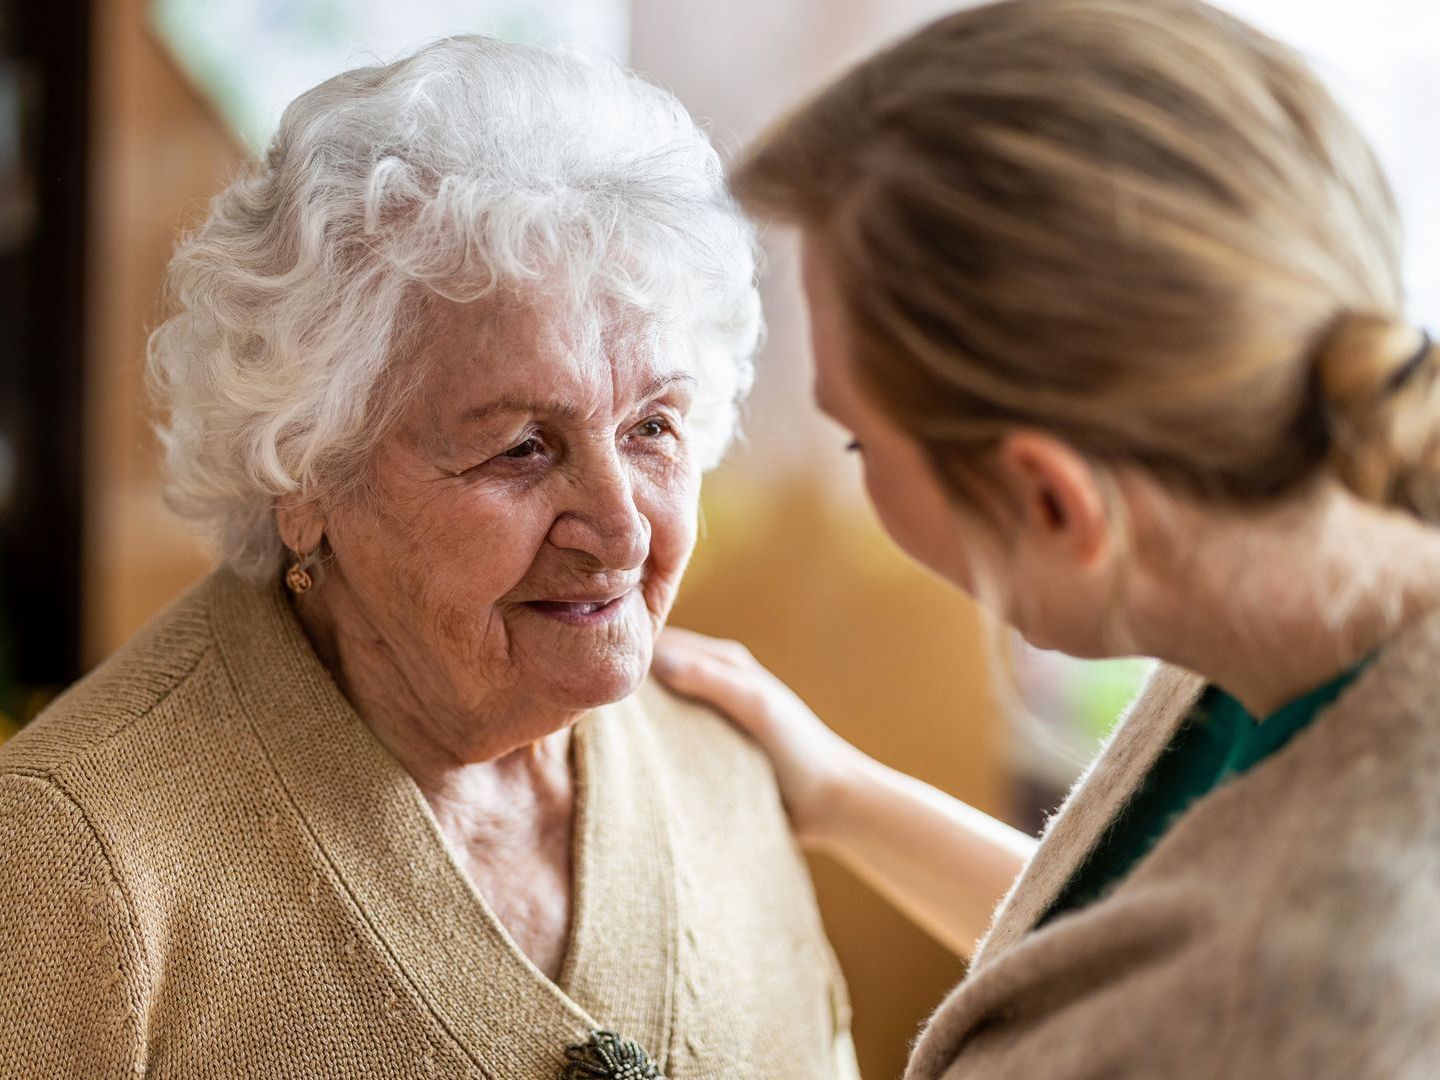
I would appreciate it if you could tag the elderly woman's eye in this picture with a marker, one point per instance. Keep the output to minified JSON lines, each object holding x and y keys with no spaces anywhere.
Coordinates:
{"x":654,"y":427}
{"x":525,"y":449}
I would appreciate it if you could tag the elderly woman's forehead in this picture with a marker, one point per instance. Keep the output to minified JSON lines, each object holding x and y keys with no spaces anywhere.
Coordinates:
{"x":508,"y":318}
{"x":470,"y":351}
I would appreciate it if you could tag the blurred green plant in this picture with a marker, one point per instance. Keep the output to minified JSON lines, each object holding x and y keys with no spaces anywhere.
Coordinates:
{"x":1099,"y":692}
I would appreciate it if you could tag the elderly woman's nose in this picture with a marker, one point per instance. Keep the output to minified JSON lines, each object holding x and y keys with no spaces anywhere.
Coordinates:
{"x":604,"y":521}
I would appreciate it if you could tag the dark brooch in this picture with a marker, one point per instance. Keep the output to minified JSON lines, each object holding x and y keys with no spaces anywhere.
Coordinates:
{"x":607,"y":1056}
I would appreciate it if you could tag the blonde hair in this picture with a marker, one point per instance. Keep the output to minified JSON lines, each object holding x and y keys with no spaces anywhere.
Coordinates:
{"x":1140,"y":225}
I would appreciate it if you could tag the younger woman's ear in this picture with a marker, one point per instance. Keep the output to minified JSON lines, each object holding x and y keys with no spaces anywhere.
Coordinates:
{"x":300,"y":521}
{"x":1058,"y":493}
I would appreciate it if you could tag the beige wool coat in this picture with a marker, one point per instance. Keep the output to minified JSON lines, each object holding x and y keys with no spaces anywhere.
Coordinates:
{"x":1286,"y":926}
{"x":210,"y":868}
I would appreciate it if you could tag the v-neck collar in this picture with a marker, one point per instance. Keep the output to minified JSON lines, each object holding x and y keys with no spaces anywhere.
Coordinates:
{"x":1256,"y":739}
{"x":1168,"y":699}
{"x":387,"y":857}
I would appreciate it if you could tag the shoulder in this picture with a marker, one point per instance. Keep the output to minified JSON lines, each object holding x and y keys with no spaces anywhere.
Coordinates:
{"x":1332,"y":844}
{"x":1327,"y":859}
{"x":83,"y":787}
{"x":699,"y":739}
{"x":712,"y":771}
{"x":144,"y":677}
{"x":1279,"y":928}
{"x":72,"y":958}
{"x":1343,"y":935}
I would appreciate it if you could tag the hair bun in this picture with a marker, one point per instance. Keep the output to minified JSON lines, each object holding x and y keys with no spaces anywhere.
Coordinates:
{"x":1377,"y":383}
{"x":1361,"y":358}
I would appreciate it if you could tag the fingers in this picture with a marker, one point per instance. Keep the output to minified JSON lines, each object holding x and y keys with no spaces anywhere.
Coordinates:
{"x":675,"y":642}
{"x":721,"y":673}
{"x":711,"y":678}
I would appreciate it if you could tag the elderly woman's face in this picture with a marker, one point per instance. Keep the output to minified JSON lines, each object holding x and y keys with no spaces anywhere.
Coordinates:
{"x":534,"y":511}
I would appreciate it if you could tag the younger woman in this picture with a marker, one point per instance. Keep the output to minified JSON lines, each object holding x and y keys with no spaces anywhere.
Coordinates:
{"x":1108,"y":292}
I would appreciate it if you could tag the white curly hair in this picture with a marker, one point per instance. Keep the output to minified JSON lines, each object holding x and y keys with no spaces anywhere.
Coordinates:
{"x":468,"y":166}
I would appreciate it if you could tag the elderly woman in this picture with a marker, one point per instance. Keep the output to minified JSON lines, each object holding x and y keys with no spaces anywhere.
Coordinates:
{"x":388,"y":793}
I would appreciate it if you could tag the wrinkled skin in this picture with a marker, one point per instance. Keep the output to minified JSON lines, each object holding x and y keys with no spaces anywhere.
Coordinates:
{"x":528,"y":478}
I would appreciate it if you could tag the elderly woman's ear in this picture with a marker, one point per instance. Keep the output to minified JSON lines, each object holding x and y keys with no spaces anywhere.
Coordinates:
{"x":301,"y":522}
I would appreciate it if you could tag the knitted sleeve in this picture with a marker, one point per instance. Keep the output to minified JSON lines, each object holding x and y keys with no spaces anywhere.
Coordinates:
{"x":1134,"y":988}
{"x":1342,"y":982}
{"x":1332,"y":980}
{"x":70,"y":970}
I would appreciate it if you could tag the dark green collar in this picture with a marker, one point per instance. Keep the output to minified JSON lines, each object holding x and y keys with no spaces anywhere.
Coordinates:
{"x":1254,"y":740}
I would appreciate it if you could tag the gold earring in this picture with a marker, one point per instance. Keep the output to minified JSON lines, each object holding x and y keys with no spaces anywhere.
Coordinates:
{"x":297,"y":578}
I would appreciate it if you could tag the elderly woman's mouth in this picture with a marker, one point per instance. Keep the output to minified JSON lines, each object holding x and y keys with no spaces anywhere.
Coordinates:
{"x":584,"y":611}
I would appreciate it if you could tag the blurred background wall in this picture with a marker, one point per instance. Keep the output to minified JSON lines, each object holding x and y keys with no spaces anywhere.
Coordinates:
{"x":120,"y":118}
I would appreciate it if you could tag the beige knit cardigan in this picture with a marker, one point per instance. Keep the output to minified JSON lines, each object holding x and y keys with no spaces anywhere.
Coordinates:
{"x":209,"y":867}
{"x":1287,"y":925}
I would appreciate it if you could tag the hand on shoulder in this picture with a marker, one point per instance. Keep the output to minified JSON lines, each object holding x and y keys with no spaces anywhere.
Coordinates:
{"x":811,"y":762}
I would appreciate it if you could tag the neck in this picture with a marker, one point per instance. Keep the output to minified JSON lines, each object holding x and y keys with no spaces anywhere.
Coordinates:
{"x":1269,"y":608}
{"x":499,"y":777}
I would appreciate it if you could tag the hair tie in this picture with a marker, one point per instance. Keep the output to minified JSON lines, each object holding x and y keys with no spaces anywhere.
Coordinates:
{"x":1401,"y":375}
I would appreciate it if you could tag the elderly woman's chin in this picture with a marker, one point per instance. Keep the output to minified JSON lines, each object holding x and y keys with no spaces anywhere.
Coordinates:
{"x":582,"y":655}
